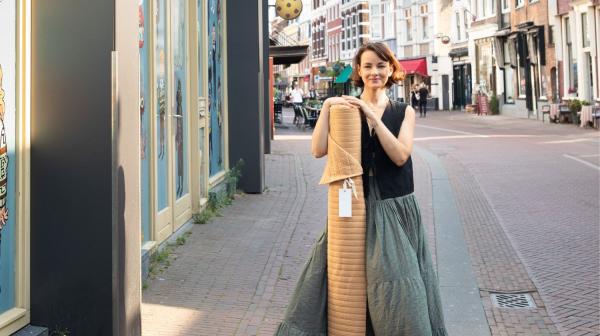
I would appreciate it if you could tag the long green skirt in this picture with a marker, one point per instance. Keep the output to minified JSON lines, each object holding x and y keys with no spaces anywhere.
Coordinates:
{"x":402,"y":285}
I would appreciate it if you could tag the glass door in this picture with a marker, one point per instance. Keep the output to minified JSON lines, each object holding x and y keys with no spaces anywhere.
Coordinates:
{"x":8,"y":97}
{"x":180,"y":117}
{"x":162,"y":153}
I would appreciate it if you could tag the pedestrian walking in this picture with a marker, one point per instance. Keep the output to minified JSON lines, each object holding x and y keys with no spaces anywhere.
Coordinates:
{"x":402,"y":287}
{"x":414,"y":97}
{"x":423,"y":94}
{"x":297,"y":100}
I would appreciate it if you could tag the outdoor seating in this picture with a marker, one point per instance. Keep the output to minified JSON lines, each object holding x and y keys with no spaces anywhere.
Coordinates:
{"x":546,"y":110}
{"x":565,"y":114}
{"x":310,"y":118}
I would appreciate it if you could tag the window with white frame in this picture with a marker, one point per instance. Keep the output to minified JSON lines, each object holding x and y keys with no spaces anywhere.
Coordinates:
{"x":388,"y":13}
{"x":408,"y":24}
{"x":375,"y":21}
{"x":466,"y":18}
{"x":505,"y":5}
{"x":519,"y":3}
{"x":585,"y":31}
{"x":571,"y":60}
{"x":458,"y":25}
{"x":425,"y":23}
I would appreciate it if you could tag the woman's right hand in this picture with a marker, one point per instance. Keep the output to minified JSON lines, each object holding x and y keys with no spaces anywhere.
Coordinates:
{"x":337,"y":101}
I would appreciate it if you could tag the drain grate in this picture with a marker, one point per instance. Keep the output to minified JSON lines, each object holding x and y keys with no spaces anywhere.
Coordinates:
{"x":517,"y":300}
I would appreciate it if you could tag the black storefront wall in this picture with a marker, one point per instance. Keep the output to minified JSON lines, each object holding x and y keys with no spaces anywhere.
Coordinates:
{"x":84,"y":195}
{"x":524,"y":62}
{"x":247,"y":67}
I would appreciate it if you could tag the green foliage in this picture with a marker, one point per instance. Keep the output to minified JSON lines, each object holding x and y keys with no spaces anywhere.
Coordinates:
{"x":206,"y":215}
{"x":494,"y":105}
{"x":575,"y":105}
{"x":216,"y":203}
{"x":235,"y":172}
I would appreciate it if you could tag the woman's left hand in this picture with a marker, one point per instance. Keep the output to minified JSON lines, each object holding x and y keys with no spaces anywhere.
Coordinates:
{"x":362,"y":105}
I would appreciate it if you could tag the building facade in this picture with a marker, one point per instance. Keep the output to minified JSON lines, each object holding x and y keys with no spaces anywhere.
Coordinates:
{"x":414,"y":38}
{"x":462,"y":85}
{"x":334,"y":30}
{"x":355,"y":27}
{"x":577,"y":32}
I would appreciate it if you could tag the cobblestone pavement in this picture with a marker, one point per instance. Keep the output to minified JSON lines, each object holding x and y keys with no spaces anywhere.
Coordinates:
{"x":530,"y":218}
{"x":529,"y":196}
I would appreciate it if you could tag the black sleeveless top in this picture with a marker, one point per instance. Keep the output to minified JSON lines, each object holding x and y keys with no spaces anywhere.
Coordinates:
{"x":393,"y":181}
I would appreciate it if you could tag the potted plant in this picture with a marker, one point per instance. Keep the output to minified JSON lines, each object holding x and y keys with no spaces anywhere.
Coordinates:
{"x":574,"y":107}
{"x":494,"y":105}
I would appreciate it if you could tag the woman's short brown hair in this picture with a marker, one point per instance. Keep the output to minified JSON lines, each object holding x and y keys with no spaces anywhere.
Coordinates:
{"x":385,"y":54}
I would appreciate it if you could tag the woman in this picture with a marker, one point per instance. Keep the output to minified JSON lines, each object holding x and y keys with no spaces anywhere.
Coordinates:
{"x":414,"y":100}
{"x":402,"y":291}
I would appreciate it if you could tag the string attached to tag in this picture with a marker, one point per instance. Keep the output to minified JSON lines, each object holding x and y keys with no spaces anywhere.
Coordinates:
{"x":345,"y":198}
{"x":349,"y":183}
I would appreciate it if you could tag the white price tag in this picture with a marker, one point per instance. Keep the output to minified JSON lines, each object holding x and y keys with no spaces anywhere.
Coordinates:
{"x":345,"y":206}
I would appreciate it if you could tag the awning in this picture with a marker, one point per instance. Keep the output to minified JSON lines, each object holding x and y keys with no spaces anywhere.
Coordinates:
{"x":344,"y":75}
{"x":415,"y":66}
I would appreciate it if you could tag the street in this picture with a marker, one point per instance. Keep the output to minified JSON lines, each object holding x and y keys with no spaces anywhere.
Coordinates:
{"x":527,"y":196}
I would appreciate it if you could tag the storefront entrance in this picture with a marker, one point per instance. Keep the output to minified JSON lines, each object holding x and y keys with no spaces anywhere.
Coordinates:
{"x":461,"y":85}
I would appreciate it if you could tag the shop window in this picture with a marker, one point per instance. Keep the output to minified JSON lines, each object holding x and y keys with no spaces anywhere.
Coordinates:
{"x":484,"y":66}
{"x":510,"y":80}
{"x":215,"y":91}
{"x":13,"y":265}
{"x":145,"y":112}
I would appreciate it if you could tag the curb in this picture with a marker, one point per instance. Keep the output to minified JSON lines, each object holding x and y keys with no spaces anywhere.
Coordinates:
{"x":461,"y":301}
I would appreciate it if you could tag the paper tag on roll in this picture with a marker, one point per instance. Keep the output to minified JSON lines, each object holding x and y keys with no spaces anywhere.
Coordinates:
{"x":345,"y":199}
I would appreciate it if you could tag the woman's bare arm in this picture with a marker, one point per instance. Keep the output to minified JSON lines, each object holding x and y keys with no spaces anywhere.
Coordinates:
{"x":321,"y":131}
{"x":398,"y":149}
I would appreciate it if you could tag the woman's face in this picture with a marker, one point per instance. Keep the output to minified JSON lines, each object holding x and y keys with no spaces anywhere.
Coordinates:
{"x":374,"y":71}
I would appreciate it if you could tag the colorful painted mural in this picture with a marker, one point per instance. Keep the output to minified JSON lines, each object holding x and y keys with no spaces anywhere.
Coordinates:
{"x":161,"y":143}
{"x":215,"y":94}
{"x":8,"y":98}
{"x":179,"y":43}
{"x":201,"y":85}
{"x":144,"y":117}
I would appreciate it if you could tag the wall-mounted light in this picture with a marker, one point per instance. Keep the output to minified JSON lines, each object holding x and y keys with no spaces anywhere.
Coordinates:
{"x":445,"y":39}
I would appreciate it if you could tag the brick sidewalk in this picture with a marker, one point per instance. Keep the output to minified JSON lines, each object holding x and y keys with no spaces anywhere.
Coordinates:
{"x":235,"y":275}
{"x":497,"y":265}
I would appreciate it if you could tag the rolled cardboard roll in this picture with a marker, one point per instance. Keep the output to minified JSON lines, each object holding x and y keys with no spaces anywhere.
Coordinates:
{"x":346,"y":264}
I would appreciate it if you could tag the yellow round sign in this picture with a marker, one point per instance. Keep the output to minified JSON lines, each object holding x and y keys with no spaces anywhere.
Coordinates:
{"x":288,"y":9}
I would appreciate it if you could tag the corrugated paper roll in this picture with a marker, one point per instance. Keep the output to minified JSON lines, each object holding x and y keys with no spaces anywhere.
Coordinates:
{"x":346,"y":268}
